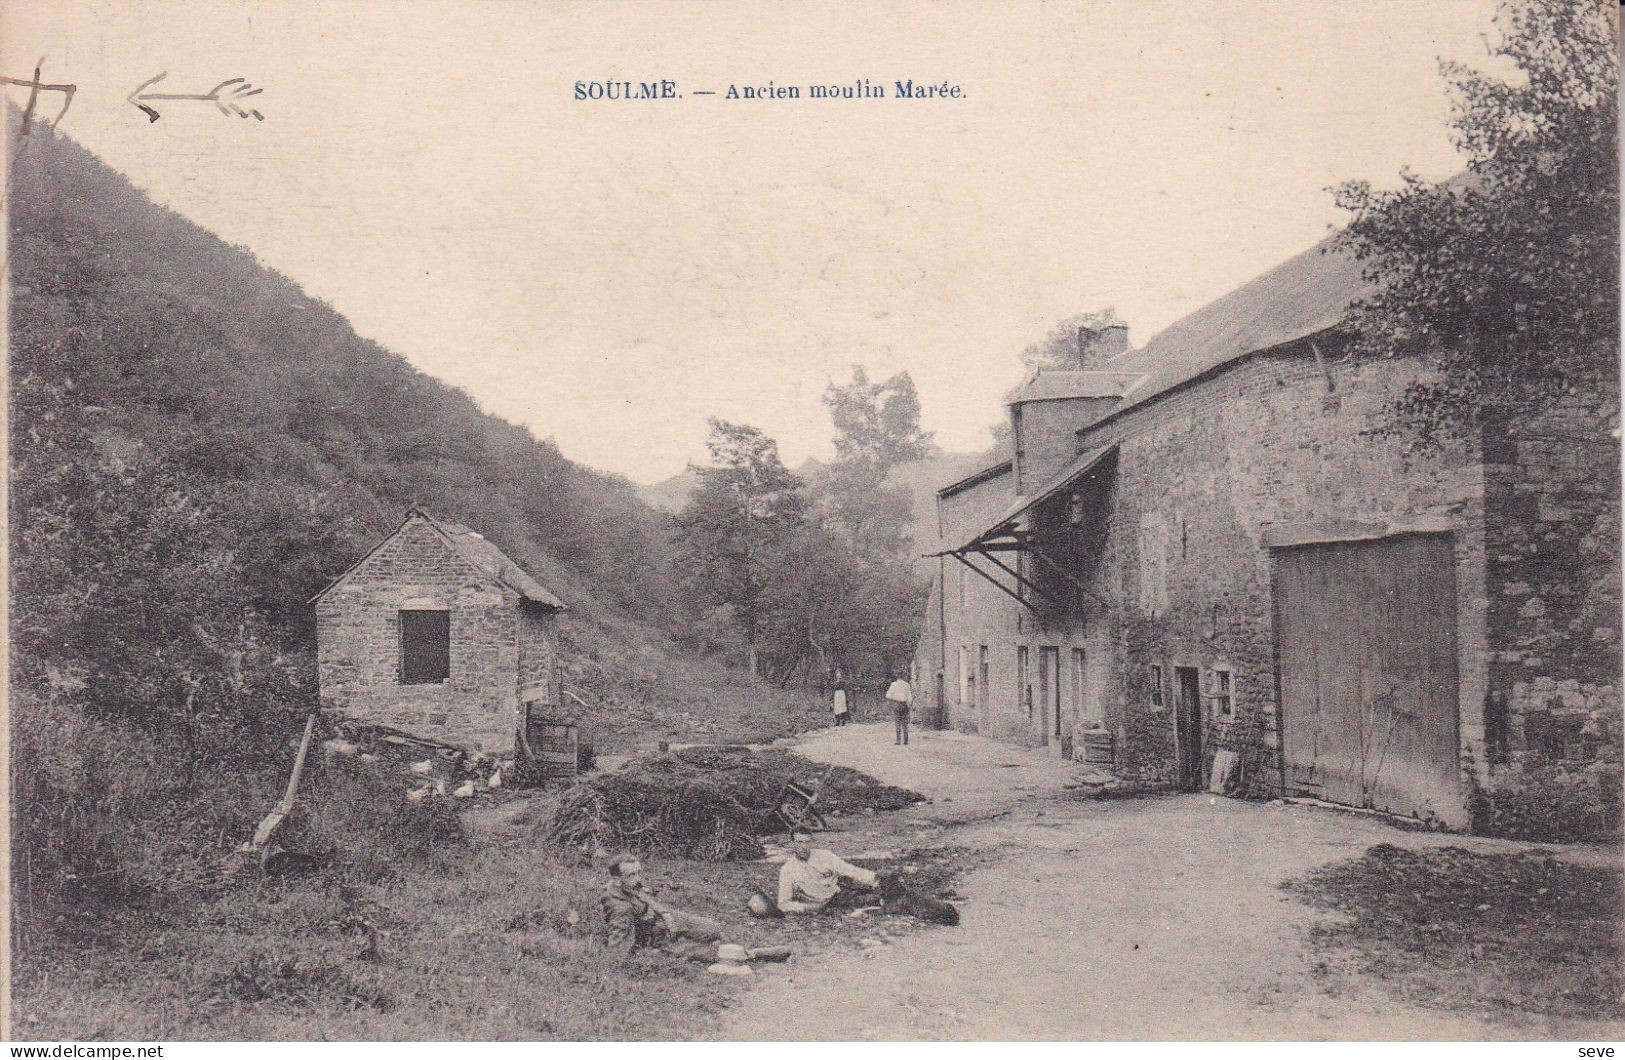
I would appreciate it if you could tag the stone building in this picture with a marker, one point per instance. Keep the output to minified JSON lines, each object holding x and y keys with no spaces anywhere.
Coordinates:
{"x":436,"y":633}
{"x":1201,"y":565}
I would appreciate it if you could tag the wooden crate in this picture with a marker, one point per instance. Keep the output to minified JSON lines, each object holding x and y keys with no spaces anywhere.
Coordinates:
{"x":553,"y":747}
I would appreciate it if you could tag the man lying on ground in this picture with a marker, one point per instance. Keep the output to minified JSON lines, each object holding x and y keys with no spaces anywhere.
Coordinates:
{"x":635,"y":918}
{"x":811,"y":878}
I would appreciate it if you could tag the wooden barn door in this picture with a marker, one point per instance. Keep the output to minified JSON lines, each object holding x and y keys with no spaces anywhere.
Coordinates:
{"x":1366,"y":640}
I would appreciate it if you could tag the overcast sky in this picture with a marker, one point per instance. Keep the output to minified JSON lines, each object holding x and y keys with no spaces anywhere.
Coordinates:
{"x":610,"y":274}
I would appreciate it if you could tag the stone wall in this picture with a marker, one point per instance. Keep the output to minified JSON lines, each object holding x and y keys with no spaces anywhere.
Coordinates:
{"x":929,"y":658}
{"x":358,"y":644}
{"x":1274,"y":444}
{"x":1048,"y":435}
{"x":1280,"y":447}
{"x":975,"y":615}
{"x":537,"y":664}
{"x":1553,"y":504}
{"x":1204,"y":475}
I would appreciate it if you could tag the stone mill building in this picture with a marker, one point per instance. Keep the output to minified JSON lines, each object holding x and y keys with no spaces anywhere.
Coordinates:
{"x":1198,"y":565}
{"x":437,"y":633}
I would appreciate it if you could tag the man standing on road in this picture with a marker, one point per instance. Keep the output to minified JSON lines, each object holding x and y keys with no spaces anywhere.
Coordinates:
{"x":900,"y":695}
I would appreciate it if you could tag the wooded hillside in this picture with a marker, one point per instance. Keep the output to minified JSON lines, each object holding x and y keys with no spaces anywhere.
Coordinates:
{"x":197,"y":447}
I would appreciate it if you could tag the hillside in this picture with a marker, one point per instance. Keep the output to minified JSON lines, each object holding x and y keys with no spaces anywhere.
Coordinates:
{"x":197,"y":447}
{"x":142,"y":342}
{"x":670,"y":494}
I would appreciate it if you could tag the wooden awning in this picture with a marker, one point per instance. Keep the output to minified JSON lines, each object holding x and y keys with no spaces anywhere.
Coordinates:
{"x":1008,"y":534}
{"x":1004,"y":533}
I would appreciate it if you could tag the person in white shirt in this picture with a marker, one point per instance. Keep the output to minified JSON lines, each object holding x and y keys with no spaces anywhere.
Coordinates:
{"x":900,"y":695}
{"x":839,"y":705}
{"x":811,"y":878}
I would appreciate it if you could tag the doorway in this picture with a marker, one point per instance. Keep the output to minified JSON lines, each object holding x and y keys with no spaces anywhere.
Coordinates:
{"x":1024,"y":688}
{"x":982,"y":689}
{"x":1049,"y":692}
{"x":1188,"y":727}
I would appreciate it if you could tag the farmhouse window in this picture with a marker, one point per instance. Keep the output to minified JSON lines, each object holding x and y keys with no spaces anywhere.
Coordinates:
{"x":1156,"y":687}
{"x":425,"y":647}
{"x":1224,"y":693}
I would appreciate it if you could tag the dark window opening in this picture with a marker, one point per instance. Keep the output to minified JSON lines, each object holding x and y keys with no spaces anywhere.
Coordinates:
{"x":425,"y":647}
{"x":1223,"y":693}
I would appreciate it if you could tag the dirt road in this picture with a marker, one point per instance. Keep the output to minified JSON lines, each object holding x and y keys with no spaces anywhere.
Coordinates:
{"x":1149,"y":918}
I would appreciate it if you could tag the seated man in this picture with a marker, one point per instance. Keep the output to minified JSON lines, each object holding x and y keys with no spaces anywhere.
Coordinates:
{"x":810,"y":878}
{"x":634,"y":918}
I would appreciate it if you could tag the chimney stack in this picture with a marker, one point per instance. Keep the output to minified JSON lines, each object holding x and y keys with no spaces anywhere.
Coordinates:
{"x":1095,"y":345}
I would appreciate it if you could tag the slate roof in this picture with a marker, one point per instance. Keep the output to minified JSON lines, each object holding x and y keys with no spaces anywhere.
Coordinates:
{"x":1048,"y":384}
{"x":493,"y":561}
{"x":1299,"y":297}
{"x":476,"y":550}
{"x":1302,"y":296}
{"x":976,"y":478}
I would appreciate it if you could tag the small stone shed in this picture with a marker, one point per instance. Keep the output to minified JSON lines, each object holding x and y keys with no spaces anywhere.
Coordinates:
{"x":437,"y":633}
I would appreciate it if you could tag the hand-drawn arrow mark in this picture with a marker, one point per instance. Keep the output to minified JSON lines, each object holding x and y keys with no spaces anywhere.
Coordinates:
{"x":35,"y":87}
{"x":224,"y":96}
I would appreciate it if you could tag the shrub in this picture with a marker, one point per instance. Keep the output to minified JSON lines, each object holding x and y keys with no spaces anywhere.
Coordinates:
{"x":101,"y":811}
{"x":359,"y":821}
{"x":105,"y":815}
{"x":1550,"y":804}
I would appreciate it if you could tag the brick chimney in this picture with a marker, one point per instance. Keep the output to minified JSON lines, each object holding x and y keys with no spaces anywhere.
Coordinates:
{"x":1095,"y":345}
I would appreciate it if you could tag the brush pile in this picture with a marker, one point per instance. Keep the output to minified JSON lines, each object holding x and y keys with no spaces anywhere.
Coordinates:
{"x":706,"y":803}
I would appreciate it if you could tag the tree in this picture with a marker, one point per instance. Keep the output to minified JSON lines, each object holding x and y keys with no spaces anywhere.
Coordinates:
{"x":1507,"y":277}
{"x":877,"y":428}
{"x":877,"y":424}
{"x":1059,"y":347}
{"x":833,"y":607}
{"x":735,"y":529}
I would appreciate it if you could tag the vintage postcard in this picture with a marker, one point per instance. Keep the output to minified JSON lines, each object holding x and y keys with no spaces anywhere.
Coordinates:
{"x":965,"y":520}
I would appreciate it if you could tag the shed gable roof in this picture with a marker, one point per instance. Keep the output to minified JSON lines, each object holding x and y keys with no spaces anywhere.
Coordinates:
{"x":473,"y":549}
{"x":493,"y":561}
{"x":1050,"y":384}
{"x":1075,"y":469}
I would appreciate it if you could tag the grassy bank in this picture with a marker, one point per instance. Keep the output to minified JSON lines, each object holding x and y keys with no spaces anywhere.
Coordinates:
{"x":483,"y":932}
